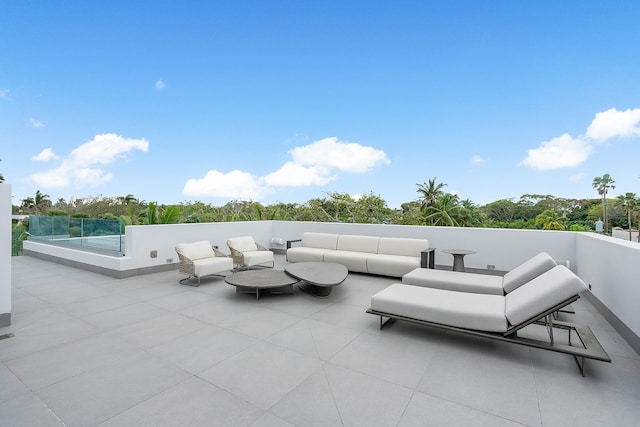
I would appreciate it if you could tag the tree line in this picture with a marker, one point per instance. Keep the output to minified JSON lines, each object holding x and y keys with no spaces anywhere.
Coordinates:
{"x":433,"y":206}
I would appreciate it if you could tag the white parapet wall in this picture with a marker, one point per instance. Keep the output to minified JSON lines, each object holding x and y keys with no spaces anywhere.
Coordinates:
{"x":5,"y":255}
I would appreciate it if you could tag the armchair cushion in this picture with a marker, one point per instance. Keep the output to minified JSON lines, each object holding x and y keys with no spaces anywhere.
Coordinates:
{"x":242,"y":244}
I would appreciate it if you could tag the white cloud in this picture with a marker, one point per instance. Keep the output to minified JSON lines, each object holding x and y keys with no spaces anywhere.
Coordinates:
{"x":344,"y":156}
{"x":160,"y":85}
{"x":235,"y":185}
{"x":613,"y":123}
{"x":313,"y":164}
{"x":4,"y":93}
{"x":45,"y":155}
{"x":293,"y":174}
{"x":561,"y":152}
{"x":79,"y":167}
{"x":477,"y":160}
{"x":33,"y":123}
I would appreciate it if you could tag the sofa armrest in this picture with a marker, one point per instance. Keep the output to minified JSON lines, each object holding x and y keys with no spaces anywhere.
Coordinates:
{"x":428,"y":258}
{"x":289,"y":242}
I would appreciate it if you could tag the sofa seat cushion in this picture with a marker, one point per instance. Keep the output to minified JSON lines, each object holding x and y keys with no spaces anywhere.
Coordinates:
{"x":304,"y":254}
{"x":402,"y":246}
{"x":354,"y":261}
{"x":454,"y":281}
{"x":257,"y":257}
{"x":320,"y":240}
{"x":542,"y":293}
{"x":351,"y":243}
{"x":527,"y":271}
{"x":461,"y":309}
{"x":206,"y":266}
{"x":392,"y":265}
{"x":196,"y":250}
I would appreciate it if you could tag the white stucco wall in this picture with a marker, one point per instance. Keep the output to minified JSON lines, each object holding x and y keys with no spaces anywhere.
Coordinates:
{"x":612,"y":268}
{"x":5,"y":253}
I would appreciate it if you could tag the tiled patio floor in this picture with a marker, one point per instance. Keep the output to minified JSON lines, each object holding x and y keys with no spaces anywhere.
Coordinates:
{"x":91,"y":350}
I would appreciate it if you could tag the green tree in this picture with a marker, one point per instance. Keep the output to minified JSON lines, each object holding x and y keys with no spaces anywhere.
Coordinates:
{"x":551,"y":220}
{"x":1,"y":176}
{"x":430,"y":192}
{"x":602,"y":184}
{"x":445,"y":212}
{"x":630,"y":202}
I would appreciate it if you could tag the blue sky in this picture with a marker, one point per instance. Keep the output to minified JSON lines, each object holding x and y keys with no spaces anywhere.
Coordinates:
{"x":288,"y":100}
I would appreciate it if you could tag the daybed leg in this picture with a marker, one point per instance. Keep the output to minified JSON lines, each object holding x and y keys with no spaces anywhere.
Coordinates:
{"x":580,"y":364}
{"x":385,"y":323}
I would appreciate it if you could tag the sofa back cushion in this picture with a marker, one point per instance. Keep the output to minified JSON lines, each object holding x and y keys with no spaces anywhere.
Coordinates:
{"x":527,"y":271}
{"x":196,"y":250}
{"x":242,"y":244}
{"x":320,"y":240}
{"x":348,"y":242}
{"x":402,"y":246}
{"x":542,"y":293}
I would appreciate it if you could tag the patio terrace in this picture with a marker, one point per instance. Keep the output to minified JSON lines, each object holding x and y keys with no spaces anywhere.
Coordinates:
{"x":89,"y":349}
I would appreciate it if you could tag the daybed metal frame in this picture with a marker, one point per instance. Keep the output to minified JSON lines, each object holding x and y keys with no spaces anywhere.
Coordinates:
{"x":591,"y":347}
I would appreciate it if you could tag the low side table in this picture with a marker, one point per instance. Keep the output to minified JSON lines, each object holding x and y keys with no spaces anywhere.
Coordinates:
{"x":458,"y":257}
{"x":262,"y":281}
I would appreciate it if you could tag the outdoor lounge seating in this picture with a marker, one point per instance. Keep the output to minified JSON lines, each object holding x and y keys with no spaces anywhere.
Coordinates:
{"x":481,"y":283}
{"x":496,"y":316}
{"x":246,"y":252}
{"x":200,"y":259}
{"x":386,"y":256}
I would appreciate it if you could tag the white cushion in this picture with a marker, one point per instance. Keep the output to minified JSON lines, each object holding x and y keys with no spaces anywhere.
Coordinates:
{"x":196,"y":250}
{"x":391,"y":265}
{"x":304,"y":254}
{"x":354,"y":261}
{"x":542,"y":293}
{"x":320,"y":240}
{"x":347,"y":242}
{"x":527,"y":271}
{"x":455,"y":281}
{"x":402,"y":246}
{"x":461,"y":309}
{"x":257,"y":257}
{"x":242,"y":244}
{"x":206,"y":266}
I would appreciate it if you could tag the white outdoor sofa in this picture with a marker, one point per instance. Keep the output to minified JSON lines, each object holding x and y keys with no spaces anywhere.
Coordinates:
{"x":497,"y":316}
{"x":481,"y":283}
{"x":386,"y":256}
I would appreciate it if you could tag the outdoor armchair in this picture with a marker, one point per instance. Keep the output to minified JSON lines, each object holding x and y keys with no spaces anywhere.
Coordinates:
{"x":200,"y":259}
{"x":246,"y":252}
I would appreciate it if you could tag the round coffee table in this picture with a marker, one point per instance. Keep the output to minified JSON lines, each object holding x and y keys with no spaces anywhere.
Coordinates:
{"x":319,"y":277}
{"x":262,"y":281}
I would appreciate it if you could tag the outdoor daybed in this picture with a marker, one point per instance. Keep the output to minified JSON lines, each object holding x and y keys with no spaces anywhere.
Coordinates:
{"x":496,"y":316}
{"x":481,"y":283}
{"x":386,"y":256}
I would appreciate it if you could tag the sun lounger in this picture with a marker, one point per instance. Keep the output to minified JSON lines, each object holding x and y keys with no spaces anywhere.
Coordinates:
{"x":481,"y":283}
{"x":496,"y":316}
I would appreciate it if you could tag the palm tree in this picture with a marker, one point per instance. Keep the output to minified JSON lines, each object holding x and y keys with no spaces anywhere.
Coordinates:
{"x":430,"y":193}
{"x":446,"y":211}
{"x":1,"y":176}
{"x":602,"y":184}
{"x":630,"y":202}
{"x":550,"y":220}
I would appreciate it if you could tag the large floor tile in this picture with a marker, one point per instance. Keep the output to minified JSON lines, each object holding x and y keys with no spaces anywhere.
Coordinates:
{"x":261,"y":374}
{"x":425,"y":411}
{"x":95,"y":396}
{"x":496,"y":385}
{"x":193,"y":402}
{"x":27,"y":410}
{"x":10,"y":385}
{"x":258,"y":322}
{"x":203,"y":348}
